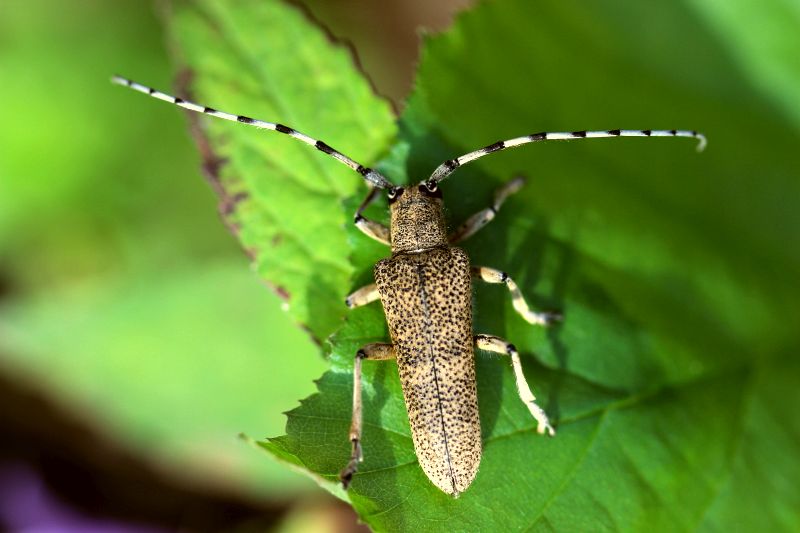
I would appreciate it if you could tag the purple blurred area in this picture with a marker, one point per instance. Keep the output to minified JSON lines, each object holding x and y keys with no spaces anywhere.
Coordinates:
{"x":27,"y":505}
{"x":58,"y":472}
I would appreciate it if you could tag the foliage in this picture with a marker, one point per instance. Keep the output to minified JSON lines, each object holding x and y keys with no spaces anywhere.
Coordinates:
{"x":673,"y":381}
{"x":122,"y":297}
{"x":260,"y":64}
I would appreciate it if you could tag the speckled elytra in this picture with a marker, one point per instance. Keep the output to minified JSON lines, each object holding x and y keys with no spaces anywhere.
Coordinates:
{"x":425,"y":287}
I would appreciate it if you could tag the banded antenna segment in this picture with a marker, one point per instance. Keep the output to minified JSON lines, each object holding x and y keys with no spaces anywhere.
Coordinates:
{"x":449,"y":166}
{"x":372,"y":177}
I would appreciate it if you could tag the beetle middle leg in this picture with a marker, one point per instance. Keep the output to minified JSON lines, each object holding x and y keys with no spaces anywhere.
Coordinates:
{"x":490,"y":343}
{"x":363,"y":296}
{"x":492,"y":275}
{"x":483,"y":217}
{"x":377,"y":351}
{"x":370,"y":228}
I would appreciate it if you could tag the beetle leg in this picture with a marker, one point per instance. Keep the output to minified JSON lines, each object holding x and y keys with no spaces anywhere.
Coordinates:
{"x":483,"y":217}
{"x":490,"y":343}
{"x":375,"y":351}
{"x":370,"y":228}
{"x":363,"y":296}
{"x":492,"y":275}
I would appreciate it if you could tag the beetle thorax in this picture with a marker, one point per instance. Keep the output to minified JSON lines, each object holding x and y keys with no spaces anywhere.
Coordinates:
{"x":417,"y":219}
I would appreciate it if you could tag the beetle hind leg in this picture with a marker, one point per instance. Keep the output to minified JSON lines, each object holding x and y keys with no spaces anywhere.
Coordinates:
{"x":490,"y":343}
{"x":376,"y":351}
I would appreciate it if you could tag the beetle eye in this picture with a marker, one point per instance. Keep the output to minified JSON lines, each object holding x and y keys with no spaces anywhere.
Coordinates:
{"x":394,"y":194}
{"x":430,"y":189}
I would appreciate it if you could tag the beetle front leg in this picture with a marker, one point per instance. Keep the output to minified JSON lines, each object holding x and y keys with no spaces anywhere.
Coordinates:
{"x":492,"y":275}
{"x":370,"y":228}
{"x":483,"y":217}
{"x":376,"y":351}
{"x":490,"y":343}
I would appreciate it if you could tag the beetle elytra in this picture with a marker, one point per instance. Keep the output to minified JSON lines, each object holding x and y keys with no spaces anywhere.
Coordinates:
{"x":425,"y":287}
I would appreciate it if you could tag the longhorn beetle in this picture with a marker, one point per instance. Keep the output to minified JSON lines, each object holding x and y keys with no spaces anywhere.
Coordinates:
{"x":425,"y":287}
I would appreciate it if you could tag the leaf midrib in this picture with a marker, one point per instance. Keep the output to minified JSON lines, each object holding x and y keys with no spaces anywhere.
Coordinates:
{"x":573,"y":470}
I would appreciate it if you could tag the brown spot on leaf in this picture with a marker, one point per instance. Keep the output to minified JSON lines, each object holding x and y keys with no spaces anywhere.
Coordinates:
{"x":211,"y":163}
{"x":282,"y":292}
{"x":251,"y":252}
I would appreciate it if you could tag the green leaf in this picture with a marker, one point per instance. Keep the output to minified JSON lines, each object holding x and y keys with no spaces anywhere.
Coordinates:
{"x":169,"y":365}
{"x":760,"y":37}
{"x":673,"y":379}
{"x":122,"y":297}
{"x":266,"y":60}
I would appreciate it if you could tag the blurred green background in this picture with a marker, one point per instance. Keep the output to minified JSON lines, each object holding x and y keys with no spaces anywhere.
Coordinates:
{"x":124,"y":300}
{"x":135,"y":342}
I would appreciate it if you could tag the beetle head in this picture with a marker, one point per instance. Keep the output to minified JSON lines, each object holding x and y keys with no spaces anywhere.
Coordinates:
{"x":417,"y":217}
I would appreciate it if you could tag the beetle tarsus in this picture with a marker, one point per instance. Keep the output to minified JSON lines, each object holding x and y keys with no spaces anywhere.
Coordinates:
{"x":548,"y":318}
{"x":346,"y":476}
{"x":543,"y":427}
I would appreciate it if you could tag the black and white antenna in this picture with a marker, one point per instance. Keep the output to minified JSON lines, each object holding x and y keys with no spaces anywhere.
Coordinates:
{"x":447,"y":168}
{"x":372,"y":177}
{"x":375,"y":178}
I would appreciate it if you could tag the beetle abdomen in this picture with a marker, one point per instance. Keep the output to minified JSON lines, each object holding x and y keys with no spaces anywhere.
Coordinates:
{"x":427,"y":298}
